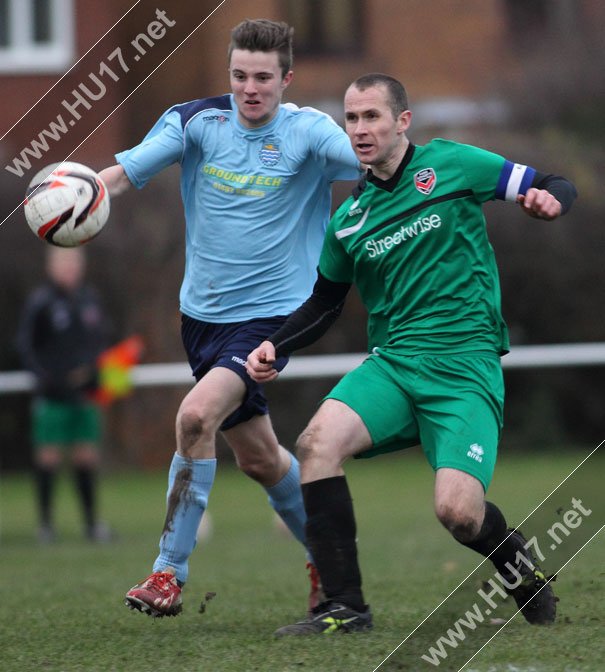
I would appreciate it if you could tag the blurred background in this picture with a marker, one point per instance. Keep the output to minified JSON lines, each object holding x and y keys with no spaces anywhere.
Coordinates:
{"x":521,"y":78}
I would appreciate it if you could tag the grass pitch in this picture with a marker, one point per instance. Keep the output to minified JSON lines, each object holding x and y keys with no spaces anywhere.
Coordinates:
{"x":62,"y":605}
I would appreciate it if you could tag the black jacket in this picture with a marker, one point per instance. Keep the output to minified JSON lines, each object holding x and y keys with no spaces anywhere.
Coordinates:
{"x":59,"y":339}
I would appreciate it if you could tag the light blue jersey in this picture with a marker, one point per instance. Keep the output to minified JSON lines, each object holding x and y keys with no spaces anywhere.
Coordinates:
{"x":257,"y":202}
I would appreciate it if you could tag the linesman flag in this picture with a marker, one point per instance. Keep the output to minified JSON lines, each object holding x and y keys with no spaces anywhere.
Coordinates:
{"x":115,"y":369}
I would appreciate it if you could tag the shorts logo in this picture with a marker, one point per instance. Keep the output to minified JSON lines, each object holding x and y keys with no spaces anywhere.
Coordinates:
{"x":238,"y":360}
{"x":425,"y":180}
{"x":475,"y":452}
{"x":270,"y":153}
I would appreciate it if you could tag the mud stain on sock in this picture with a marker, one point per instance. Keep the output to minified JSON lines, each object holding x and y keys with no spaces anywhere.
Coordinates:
{"x":179,"y":495}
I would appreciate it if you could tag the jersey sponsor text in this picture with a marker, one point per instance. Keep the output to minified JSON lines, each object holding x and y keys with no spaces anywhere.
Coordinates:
{"x":230,"y":176}
{"x":423,"y":224}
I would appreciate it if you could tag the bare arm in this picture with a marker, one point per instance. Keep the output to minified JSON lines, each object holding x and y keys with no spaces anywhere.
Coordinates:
{"x":115,"y":179}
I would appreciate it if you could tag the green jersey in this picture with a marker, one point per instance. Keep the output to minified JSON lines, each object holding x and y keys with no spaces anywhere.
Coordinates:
{"x":416,"y":247}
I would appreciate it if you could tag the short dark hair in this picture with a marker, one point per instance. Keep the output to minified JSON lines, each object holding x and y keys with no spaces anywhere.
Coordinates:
{"x":264,"y":35}
{"x":398,"y":98}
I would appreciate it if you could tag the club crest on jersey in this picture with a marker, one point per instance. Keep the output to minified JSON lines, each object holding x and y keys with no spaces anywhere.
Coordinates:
{"x":425,"y":180}
{"x":270,"y":153}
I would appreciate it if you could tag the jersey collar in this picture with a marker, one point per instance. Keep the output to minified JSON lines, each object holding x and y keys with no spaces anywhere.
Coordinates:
{"x":257,"y":131}
{"x":393,"y":181}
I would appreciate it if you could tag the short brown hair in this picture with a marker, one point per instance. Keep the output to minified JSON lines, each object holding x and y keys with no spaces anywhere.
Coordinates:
{"x":398,"y":98}
{"x":264,"y":35}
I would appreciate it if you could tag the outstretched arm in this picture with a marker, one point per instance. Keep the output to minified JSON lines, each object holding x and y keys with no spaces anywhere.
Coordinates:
{"x":115,"y":179}
{"x":304,"y":326}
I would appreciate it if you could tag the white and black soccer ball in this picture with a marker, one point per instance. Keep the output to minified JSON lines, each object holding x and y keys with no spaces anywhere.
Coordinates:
{"x":67,"y":204}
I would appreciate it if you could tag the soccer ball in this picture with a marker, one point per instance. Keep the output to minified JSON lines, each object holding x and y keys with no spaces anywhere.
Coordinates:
{"x":66,"y":204}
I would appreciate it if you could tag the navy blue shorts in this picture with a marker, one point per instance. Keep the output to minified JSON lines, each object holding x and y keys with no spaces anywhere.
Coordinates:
{"x":209,"y":345}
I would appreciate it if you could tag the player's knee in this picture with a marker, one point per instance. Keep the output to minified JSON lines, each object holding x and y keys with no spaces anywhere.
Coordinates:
{"x":309,"y":445}
{"x":461,"y":524}
{"x":49,"y":459}
{"x":191,"y":427}
{"x":86,"y":460}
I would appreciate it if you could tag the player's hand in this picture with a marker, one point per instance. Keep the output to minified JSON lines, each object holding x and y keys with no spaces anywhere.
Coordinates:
{"x":540,"y":203}
{"x":260,"y":363}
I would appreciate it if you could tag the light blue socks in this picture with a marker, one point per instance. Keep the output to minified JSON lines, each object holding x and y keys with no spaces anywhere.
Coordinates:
{"x":286,"y":498}
{"x":189,"y":485}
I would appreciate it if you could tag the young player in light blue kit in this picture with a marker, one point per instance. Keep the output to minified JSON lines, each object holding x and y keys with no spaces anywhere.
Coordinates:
{"x":255,"y":182}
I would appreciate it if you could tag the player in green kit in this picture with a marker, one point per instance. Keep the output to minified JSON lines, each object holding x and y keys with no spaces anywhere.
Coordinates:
{"x":413,"y":239}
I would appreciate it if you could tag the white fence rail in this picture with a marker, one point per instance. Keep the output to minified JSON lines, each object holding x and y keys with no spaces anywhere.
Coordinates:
{"x":321,"y":366}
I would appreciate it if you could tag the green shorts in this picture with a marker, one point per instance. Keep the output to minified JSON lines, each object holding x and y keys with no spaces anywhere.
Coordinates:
{"x":65,"y":423}
{"x":452,"y":405}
